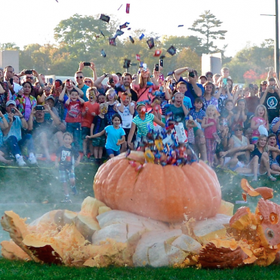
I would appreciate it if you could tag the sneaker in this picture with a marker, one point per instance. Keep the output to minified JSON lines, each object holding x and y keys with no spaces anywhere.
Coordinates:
{"x":66,"y":199}
{"x":74,"y":190}
{"x":20,"y":161}
{"x":32,"y":160}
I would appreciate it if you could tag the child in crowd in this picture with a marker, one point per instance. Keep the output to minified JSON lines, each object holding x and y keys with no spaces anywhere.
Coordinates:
{"x":111,"y":98}
{"x":67,"y":158}
{"x":260,"y":118}
{"x":115,"y":136}
{"x":227,"y":113}
{"x":143,"y":122}
{"x":98,"y":125}
{"x":74,"y":105}
{"x":209,"y":123}
{"x":126,"y":110}
{"x":239,"y":113}
{"x":101,"y":98}
{"x":89,"y":112}
{"x":198,"y":113}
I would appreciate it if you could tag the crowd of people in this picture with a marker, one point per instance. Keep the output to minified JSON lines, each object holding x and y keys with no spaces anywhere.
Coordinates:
{"x":84,"y":118}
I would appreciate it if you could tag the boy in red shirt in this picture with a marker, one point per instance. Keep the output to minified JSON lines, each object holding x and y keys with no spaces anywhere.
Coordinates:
{"x":89,"y":111}
{"x":74,"y":105}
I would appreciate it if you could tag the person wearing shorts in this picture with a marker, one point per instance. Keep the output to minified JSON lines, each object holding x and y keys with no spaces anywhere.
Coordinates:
{"x":67,"y":157}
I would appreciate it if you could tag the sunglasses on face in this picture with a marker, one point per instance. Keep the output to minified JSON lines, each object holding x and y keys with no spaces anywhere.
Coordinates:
{"x":209,"y":76}
{"x":88,"y":82}
{"x":239,"y":129}
{"x":31,"y":78}
{"x":79,"y":77}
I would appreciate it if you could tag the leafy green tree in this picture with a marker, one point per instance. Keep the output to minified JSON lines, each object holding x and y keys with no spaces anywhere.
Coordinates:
{"x":8,"y":46}
{"x":207,"y":26}
{"x":255,"y":58}
{"x":182,"y":42}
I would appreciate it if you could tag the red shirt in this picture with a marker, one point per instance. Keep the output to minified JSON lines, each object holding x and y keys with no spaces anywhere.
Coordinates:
{"x":87,"y":119}
{"x":74,"y":113}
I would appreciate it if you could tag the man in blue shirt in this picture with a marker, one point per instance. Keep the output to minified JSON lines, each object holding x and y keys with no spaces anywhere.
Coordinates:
{"x":194,"y":89}
{"x":13,"y":138}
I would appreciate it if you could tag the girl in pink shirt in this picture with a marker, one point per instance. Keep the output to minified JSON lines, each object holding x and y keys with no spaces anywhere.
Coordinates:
{"x":260,"y":118}
{"x":209,"y":123}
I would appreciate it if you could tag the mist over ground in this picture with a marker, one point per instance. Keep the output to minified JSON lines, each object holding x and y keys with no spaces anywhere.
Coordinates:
{"x":31,"y":192}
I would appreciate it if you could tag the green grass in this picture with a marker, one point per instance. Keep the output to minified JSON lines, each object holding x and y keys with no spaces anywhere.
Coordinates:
{"x":31,"y":192}
{"x":19,"y":270}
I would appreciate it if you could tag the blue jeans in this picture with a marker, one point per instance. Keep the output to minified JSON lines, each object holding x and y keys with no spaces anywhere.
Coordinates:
{"x":15,"y":146}
{"x":75,"y":130}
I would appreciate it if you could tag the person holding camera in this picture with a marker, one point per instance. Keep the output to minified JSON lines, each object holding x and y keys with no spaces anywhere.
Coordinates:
{"x":79,"y":77}
{"x":271,"y":100}
{"x":47,"y":134}
{"x":26,"y":102}
{"x":9,"y":79}
{"x":13,"y":139}
{"x":91,"y":65}
{"x":29,"y":77}
{"x":194,"y":89}
{"x":113,"y":80}
{"x":145,"y":84}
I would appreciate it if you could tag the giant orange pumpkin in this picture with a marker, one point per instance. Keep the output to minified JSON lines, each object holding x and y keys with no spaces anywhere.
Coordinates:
{"x":163,"y":193}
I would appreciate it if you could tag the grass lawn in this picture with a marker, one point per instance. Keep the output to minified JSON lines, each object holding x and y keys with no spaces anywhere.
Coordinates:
{"x":31,"y":192}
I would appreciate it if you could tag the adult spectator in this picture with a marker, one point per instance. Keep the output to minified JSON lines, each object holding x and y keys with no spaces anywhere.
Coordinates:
{"x":194,"y":89}
{"x":47,"y":134}
{"x":50,"y":100}
{"x":271,"y":100}
{"x":275,"y":125}
{"x":12,"y":85}
{"x":29,"y":76}
{"x":4,"y":92}
{"x":145,"y":84}
{"x":88,"y":82}
{"x":208,"y":98}
{"x":3,"y":125}
{"x":13,"y":138}
{"x":46,"y":92}
{"x":26,"y":102}
{"x":263,"y":87}
{"x":79,"y":77}
{"x":252,"y":101}
{"x":92,"y":67}
{"x":113,"y":80}
{"x":127,"y":81}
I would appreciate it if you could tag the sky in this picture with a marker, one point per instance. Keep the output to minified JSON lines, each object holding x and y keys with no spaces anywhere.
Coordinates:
{"x":33,"y":21}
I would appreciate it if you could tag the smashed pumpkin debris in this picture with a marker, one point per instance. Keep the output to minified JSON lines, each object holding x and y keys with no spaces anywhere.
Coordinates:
{"x":98,"y":236}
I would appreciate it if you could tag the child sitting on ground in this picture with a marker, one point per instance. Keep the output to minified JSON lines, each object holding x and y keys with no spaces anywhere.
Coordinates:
{"x":67,"y":158}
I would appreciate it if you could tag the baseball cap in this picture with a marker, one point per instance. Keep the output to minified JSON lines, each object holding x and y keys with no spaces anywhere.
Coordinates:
{"x":50,"y":97}
{"x":11,"y":102}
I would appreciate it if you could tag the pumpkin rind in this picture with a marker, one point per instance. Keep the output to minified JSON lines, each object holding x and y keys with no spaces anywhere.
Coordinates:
{"x":162,"y":193}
